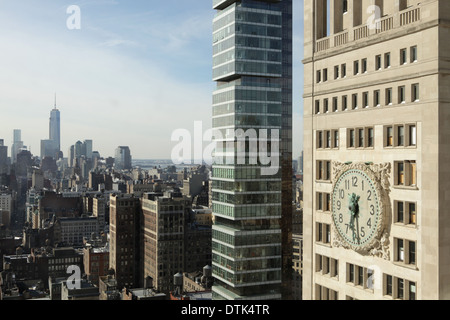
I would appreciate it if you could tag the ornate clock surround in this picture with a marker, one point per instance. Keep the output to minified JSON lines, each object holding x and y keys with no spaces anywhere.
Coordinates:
{"x":379,"y":175}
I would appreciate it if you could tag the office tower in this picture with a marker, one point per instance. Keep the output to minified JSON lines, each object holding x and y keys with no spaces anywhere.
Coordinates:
{"x":3,"y":158}
{"x":48,"y":149}
{"x":122,"y":158}
{"x":78,"y":149}
{"x":376,"y":146}
{"x":52,"y":146}
{"x":124,"y":257}
{"x":71,"y":156}
{"x":173,"y":241}
{"x":87,"y":145}
{"x":55,"y":128}
{"x":252,"y":53}
{"x":17,"y":144}
{"x":163,"y":232}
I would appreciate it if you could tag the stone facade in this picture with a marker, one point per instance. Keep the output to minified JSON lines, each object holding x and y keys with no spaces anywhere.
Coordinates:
{"x":375,"y":91}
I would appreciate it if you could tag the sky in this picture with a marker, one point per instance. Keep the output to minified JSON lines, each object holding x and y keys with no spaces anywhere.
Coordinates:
{"x":131,"y":73}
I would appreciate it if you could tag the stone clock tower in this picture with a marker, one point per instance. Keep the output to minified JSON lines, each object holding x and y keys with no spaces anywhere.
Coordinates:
{"x":376,"y":150}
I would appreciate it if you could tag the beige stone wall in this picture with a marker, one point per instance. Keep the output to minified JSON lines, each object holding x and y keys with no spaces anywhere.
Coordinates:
{"x":430,"y":114}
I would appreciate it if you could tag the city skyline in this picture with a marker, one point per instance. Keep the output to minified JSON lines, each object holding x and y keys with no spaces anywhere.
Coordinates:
{"x":117,"y":73}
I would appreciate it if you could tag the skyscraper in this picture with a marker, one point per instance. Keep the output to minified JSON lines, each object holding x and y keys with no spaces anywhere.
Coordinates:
{"x":52,"y":146}
{"x":252,"y":53}
{"x":55,"y":128}
{"x":377,"y":141}
{"x":16,"y":145}
{"x":3,"y":158}
{"x":123,"y":158}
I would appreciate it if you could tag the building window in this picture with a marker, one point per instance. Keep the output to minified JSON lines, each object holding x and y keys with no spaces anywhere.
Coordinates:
{"x":335,"y":138}
{"x":412,"y":213}
{"x":401,"y":94}
{"x":325,"y":75}
{"x":355,"y":67}
{"x":405,"y":173}
{"x":325,"y":106}
{"x":335,"y":104}
{"x":345,"y":6}
{"x":343,"y":70}
{"x":323,"y":233}
{"x":365,"y":99}
{"x":351,"y":138}
{"x":350,"y":273}
{"x":317,"y":111}
{"x":328,"y":139}
{"x":360,"y":277}
{"x":378,"y":62}
{"x":403,"y":56}
{"x":323,"y":170}
{"x":415,"y":96}
{"x":411,"y":253}
{"x":319,"y":201}
{"x":361,"y":138}
{"x":400,"y":136}
{"x":318,"y":76}
{"x":355,"y":101}
{"x":344,"y":103}
{"x":319,"y":139}
{"x":387,"y":60}
{"x":400,"y":250}
{"x":364,"y":65}
{"x":388,"y":96}
{"x":389,"y":136}
{"x":388,"y":286}
{"x":400,"y":211}
{"x":397,"y":287}
{"x":376,"y":98}
{"x":413,"y":54}
{"x":405,"y":251}
{"x":370,"y":279}
{"x":327,"y":202}
{"x":370,"y":137}
{"x":412,"y":135}
{"x":405,"y":212}
{"x":400,"y":288}
{"x":336,"y":72}
{"x":412,"y":290}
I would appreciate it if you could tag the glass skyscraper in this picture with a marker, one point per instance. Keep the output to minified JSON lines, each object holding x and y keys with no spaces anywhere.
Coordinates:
{"x":252,"y":111}
{"x":55,"y":128}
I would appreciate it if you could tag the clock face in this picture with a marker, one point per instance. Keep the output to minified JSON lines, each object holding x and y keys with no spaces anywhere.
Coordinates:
{"x":356,"y":209}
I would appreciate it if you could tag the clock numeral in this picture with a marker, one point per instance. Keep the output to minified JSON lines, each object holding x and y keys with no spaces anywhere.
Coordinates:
{"x":339,"y":205}
{"x":341,"y":218}
{"x":355,"y":181}
{"x":372,"y":209}
{"x":362,"y":185}
{"x":369,"y":195}
{"x":341,"y":194}
{"x":362,"y":233}
{"x":369,"y":223}
{"x":347,"y":185}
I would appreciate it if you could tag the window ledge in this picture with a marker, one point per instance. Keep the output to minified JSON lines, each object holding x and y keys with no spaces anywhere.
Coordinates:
{"x":401,"y":224}
{"x":405,"y":187}
{"x":408,"y":266}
